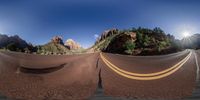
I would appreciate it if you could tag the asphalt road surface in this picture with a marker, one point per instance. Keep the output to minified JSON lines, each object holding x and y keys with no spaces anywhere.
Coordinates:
{"x":177,"y":84}
{"x":99,"y":76}
{"x":75,"y":80}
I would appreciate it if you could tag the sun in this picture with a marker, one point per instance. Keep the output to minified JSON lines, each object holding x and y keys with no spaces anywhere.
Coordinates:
{"x":186,"y":34}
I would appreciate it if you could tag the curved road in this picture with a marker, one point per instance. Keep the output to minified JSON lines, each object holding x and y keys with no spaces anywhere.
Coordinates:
{"x":178,"y":84}
{"x":76,"y":77}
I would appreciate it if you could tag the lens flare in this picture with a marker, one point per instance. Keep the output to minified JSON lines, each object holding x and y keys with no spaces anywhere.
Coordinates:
{"x":186,"y":34}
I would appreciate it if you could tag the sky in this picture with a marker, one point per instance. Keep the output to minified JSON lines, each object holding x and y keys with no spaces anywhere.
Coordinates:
{"x":37,"y":21}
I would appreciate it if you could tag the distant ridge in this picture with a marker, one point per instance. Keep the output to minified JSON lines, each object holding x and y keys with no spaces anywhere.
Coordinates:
{"x":13,"y":43}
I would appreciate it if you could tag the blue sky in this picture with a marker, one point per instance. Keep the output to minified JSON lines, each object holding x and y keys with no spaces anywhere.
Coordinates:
{"x":37,"y":21}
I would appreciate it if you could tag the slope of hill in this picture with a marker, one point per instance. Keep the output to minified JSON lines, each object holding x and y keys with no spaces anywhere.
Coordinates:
{"x":13,"y":43}
{"x":140,"y":41}
{"x":55,"y":46}
{"x":52,"y":48}
{"x":103,"y":41}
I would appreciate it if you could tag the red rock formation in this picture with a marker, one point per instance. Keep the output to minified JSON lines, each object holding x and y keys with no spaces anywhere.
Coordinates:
{"x":106,"y":34}
{"x":57,"y":40}
{"x":72,"y":45}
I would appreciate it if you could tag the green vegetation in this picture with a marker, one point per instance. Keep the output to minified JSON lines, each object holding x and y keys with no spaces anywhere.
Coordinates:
{"x":52,"y":48}
{"x":162,"y":45}
{"x":138,"y":41}
{"x":12,"y":47}
{"x":129,"y":45}
{"x":142,"y":40}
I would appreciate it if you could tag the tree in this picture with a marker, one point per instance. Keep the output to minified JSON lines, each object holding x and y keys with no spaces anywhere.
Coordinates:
{"x":158,"y":30}
{"x":139,"y":37}
{"x":146,"y":40}
{"x":12,"y":47}
{"x":161,"y":45}
{"x":129,"y":46}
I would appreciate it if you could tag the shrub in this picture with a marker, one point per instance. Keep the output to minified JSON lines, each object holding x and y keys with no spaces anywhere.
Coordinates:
{"x":12,"y":47}
{"x":129,"y":47}
{"x":162,"y":45}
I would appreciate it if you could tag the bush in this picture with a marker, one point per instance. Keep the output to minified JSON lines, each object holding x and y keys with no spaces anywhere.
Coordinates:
{"x":129,"y":47}
{"x":162,"y":45}
{"x":146,"y":40}
{"x":139,"y":37}
{"x":12,"y":47}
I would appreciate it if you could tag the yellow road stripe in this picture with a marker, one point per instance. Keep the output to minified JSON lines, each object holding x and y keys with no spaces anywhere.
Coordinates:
{"x":179,"y":65}
{"x":143,"y":75}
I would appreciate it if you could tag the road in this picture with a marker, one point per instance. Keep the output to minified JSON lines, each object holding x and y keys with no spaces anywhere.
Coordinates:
{"x":179,"y":84}
{"x":76,"y":77}
{"x":75,"y":81}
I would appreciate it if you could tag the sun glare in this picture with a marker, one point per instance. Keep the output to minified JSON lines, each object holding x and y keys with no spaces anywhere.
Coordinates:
{"x":186,"y":34}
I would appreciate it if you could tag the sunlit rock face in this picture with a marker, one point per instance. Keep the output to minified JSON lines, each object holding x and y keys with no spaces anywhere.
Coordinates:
{"x":72,"y":45}
{"x":106,"y":34}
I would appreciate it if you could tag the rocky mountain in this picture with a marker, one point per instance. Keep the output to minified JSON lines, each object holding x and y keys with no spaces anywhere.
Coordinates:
{"x":103,"y":41}
{"x":57,"y":40}
{"x":72,"y":45}
{"x":106,"y":34}
{"x":140,"y":41}
{"x":13,"y":43}
{"x":55,"y":46}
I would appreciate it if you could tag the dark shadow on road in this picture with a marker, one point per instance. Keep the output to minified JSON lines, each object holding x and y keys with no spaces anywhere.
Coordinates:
{"x":97,"y":63}
{"x":41,"y":70}
{"x":100,"y":80}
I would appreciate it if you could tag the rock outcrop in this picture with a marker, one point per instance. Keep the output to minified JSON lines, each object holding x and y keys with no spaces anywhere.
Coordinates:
{"x":137,"y":41}
{"x":55,"y":46}
{"x":106,"y":34}
{"x":57,"y":40}
{"x":117,"y":45}
{"x":72,"y":45}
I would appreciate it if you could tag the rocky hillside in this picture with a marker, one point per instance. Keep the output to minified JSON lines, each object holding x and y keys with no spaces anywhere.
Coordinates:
{"x":140,"y":41}
{"x":55,"y":46}
{"x":13,"y":43}
{"x":103,"y":41}
{"x":57,"y":40}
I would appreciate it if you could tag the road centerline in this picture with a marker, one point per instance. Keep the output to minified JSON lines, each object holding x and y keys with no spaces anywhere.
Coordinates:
{"x":148,"y":76}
